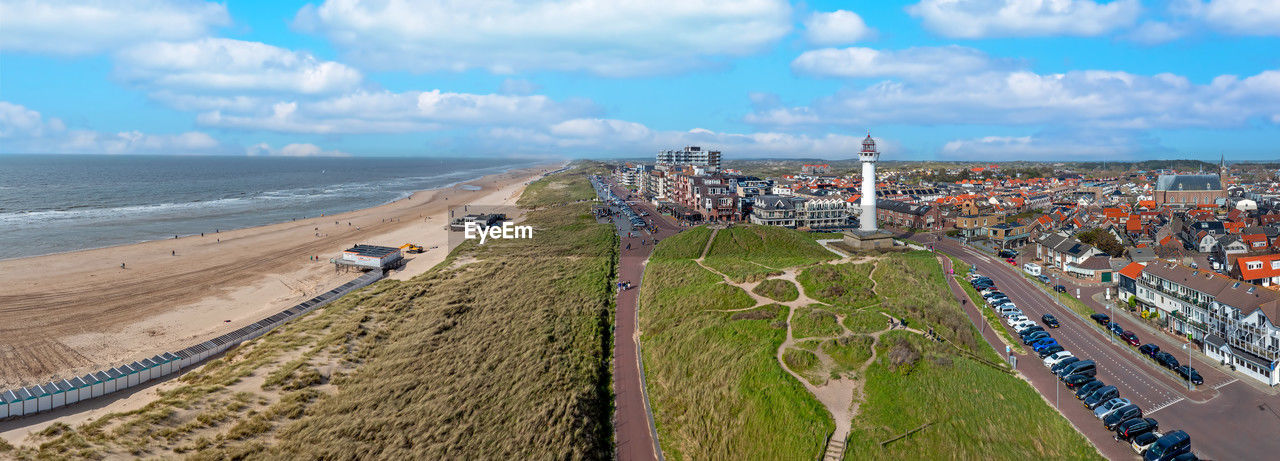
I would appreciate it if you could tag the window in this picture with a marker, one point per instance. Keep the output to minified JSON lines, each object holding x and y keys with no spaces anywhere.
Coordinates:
{"x":1275,"y":264}
{"x":1254,"y":265}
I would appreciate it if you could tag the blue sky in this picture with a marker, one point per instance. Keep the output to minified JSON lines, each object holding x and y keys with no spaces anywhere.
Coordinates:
{"x":932,"y":79}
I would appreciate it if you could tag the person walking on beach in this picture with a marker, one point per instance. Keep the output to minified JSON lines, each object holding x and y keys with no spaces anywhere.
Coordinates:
{"x":122,"y":265}
{"x":173,"y":252}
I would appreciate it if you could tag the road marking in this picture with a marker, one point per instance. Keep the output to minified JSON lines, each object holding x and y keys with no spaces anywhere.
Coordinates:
{"x":1166,"y":405}
{"x":1222,"y":385}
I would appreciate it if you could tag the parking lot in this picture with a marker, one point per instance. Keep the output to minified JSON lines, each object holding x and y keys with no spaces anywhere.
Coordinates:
{"x":1226,"y":418}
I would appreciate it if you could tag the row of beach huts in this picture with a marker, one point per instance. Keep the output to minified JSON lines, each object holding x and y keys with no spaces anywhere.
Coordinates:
{"x":60,"y":393}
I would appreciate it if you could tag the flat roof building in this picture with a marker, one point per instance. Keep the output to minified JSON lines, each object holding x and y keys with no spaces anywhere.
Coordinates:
{"x":370,"y":257}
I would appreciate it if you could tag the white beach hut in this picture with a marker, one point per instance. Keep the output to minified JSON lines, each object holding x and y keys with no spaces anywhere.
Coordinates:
{"x":29,"y":404}
{"x":80,"y":390}
{"x":57,"y":393}
{"x":170,"y":363}
{"x":95,"y":384}
{"x":108,"y":379}
{"x":130,"y":373}
{"x":4,"y":404}
{"x":114,"y":380}
{"x":145,"y":374}
{"x":44,"y":400}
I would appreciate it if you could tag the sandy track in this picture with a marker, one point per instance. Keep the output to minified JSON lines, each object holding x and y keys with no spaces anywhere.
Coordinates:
{"x":69,"y":313}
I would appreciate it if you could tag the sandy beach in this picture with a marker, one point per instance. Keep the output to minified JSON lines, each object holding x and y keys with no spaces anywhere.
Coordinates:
{"x":65,"y":314}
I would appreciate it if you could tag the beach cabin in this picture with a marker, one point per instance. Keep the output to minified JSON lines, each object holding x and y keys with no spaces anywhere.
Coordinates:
{"x":108,"y":381}
{"x":81,"y":392}
{"x":130,"y":371}
{"x":148,"y":370}
{"x":28,"y":401}
{"x":5,"y":403}
{"x":114,"y":380}
{"x":95,"y":385}
{"x":44,"y":398}
{"x":58,"y":391}
{"x":170,"y":363}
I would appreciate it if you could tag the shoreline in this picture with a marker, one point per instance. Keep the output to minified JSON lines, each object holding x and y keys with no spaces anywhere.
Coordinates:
{"x":398,"y":198}
{"x":64,"y":307}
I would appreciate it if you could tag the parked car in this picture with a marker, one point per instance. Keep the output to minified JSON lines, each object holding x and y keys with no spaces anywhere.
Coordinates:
{"x":1121,"y":415}
{"x":1168,"y":446}
{"x":1102,"y":319}
{"x":1141,"y":442}
{"x":1188,"y":456}
{"x":1166,"y":360}
{"x":1043,"y":344}
{"x":1043,"y":279}
{"x":1115,"y":328}
{"x":1075,"y":381}
{"x":1008,"y":254}
{"x":1107,"y":407}
{"x":1011,"y":261}
{"x":1030,"y":329}
{"x":1060,"y":289}
{"x":1084,"y":390}
{"x":997,"y":299}
{"x":1131,"y":428}
{"x":1063,"y":364}
{"x":1149,"y":350}
{"x":1129,"y":337}
{"x":987,"y":294}
{"x":1101,"y":395}
{"x":1052,"y":360}
{"x":1189,"y":374}
{"x":1054,"y":349}
{"x":1023,"y":324}
{"x":1087,"y":367}
{"x":1049,"y":320}
{"x":1015,"y":319}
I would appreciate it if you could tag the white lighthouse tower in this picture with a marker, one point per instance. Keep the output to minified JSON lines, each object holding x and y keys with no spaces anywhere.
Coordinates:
{"x":869,"y":155}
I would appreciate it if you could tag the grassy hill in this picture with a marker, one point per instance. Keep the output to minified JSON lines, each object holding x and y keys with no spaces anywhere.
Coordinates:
{"x":501,"y":352}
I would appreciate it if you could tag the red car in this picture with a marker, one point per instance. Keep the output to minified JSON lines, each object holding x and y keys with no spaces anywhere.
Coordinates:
{"x":1130,"y":338}
{"x":1011,"y":261}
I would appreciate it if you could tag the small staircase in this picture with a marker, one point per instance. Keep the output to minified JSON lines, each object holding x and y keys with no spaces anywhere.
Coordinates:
{"x":835,"y":450}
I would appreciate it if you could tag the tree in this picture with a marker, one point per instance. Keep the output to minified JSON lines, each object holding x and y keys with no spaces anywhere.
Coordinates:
{"x":1103,"y":240}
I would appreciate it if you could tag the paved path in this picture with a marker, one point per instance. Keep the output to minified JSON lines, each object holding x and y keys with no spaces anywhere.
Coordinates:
{"x":634,"y":434}
{"x":1226,"y":418}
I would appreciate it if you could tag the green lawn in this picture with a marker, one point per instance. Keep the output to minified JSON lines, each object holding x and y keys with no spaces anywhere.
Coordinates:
{"x":914,"y":287}
{"x":849,"y":352}
{"x":778,"y":290}
{"x":715,"y":384}
{"x":844,"y":285}
{"x":814,"y":320}
{"x":749,"y":253}
{"x":976,"y":412}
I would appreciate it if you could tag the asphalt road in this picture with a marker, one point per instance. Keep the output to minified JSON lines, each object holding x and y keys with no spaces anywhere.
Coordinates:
{"x":633,"y":423}
{"x":1226,"y":418}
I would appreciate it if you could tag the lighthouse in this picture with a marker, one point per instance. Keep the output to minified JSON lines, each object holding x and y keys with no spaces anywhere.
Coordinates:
{"x":869,"y":155}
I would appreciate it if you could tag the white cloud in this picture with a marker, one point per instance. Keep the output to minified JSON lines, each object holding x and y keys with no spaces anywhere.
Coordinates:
{"x":27,"y":131}
{"x":391,"y":112}
{"x":1046,"y":145}
{"x":81,"y":27}
{"x":232,"y":65}
{"x":293,"y":150}
{"x":605,"y":37}
{"x":1156,"y":32}
{"x":836,"y":28}
{"x":1024,"y":18}
{"x":518,"y":86}
{"x":1102,"y":99}
{"x":914,"y":63}
{"x":1240,"y":17}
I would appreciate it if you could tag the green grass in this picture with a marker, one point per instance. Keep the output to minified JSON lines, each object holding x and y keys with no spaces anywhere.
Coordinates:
{"x":715,"y":384}
{"x":977,"y":412}
{"x":866,"y":320}
{"x":844,"y":285}
{"x":688,"y":244}
{"x":805,"y":363}
{"x":562,"y":188}
{"x":993,"y":320}
{"x":778,"y":290}
{"x":750,"y":253}
{"x":814,"y":320}
{"x":848,"y":352}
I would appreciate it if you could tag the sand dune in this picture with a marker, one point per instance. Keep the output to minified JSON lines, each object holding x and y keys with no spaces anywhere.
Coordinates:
{"x":69,"y":313}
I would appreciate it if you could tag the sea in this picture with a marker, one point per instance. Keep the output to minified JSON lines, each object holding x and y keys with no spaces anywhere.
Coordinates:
{"x":59,"y":203}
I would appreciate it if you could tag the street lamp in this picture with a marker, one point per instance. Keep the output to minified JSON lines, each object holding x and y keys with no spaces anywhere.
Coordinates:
{"x":1185,"y":346}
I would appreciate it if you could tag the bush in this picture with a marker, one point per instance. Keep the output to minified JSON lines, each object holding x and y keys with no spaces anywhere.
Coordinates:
{"x":777,"y":290}
{"x":903,"y":356}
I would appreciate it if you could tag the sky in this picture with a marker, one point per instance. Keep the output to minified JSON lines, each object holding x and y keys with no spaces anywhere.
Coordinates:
{"x":929,"y":79}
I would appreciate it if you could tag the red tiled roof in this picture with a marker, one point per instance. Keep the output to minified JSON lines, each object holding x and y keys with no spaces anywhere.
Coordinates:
{"x":1133,"y":270}
{"x":1265,"y":271}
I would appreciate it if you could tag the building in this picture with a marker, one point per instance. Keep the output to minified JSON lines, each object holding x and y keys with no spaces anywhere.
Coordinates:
{"x":816,"y":169}
{"x":909,"y":215}
{"x":826,"y":212}
{"x":971,"y":225}
{"x":690,"y":155}
{"x":370,"y":257}
{"x":1259,"y":270}
{"x":869,"y":155}
{"x":1009,"y":234}
{"x":1189,"y":190}
{"x":774,"y":210}
{"x":1232,"y":319}
{"x":1063,"y":251}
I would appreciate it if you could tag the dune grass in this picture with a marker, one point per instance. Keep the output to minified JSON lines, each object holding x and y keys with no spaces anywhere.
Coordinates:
{"x":814,"y":320}
{"x":687,"y":245}
{"x":992,"y":319}
{"x":777,"y":290}
{"x":844,"y":285}
{"x":866,"y":320}
{"x":805,"y":363}
{"x":976,"y":412}
{"x":914,"y":288}
{"x":507,"y":356}
{"x":749,"y":253}
{"x":848,"y":352}
{"x":715,"y":384}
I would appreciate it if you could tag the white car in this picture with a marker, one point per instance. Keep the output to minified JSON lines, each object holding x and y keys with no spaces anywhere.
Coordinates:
{"x":1142,"y":442}
{"x":1015,"y":319}
{"x":1109,"y":406}
{"x":1008,"y":310}
{"x":1023,"y":325}
{"x":1052,"y":360}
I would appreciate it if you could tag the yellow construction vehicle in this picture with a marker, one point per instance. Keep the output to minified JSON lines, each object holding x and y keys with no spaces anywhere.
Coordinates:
{"x":411,"y":248}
